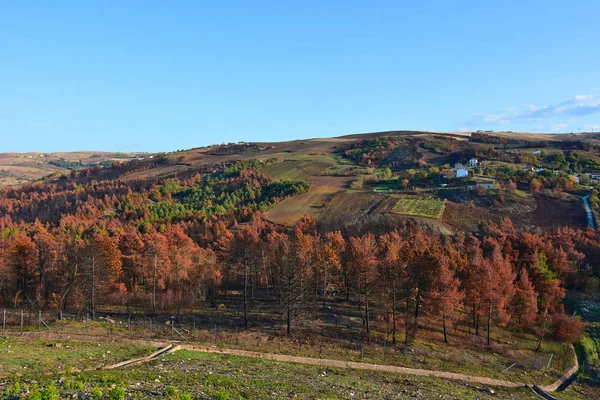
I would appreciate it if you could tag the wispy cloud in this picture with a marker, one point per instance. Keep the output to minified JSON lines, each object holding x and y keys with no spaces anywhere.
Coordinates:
{"x":577,"y":106}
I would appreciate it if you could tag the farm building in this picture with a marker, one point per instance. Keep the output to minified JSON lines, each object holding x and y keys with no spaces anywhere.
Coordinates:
{"x":594,"y":175}
{"x":462,"y":173}
{"x":487,"y":184}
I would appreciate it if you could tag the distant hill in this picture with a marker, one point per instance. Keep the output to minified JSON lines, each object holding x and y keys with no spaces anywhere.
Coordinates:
{"x":19,"y":168}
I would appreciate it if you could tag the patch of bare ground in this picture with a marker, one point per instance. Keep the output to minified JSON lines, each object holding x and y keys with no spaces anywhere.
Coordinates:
{"x":466,"y":216}
{"x":288,"y":211}
{"x":551,"y":213}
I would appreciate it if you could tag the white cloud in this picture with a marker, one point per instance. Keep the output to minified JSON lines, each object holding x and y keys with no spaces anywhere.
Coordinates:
{"x":577,"y":106}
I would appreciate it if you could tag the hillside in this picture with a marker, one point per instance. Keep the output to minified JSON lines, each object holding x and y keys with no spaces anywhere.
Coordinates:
{"x":20,"y":168}
{"x":417,"y":159}
{"x":439,"y":251}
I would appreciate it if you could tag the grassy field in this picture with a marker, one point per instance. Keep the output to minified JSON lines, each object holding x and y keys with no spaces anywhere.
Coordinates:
{"x":420,"y":206}
{"x":20,"y":356}
{"x":195,"y":375}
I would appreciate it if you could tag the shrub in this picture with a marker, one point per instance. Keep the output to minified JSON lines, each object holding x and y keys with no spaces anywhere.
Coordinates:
{"x":566,"y":328}
{"x":117,"y":393}
{"x":50,"y":393}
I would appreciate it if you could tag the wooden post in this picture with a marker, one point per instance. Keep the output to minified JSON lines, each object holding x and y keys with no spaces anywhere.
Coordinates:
{"x":3,"y":319}
{"x":150,"y":326}
{"x":21,"y":319}
{"x":129,"y":323}
{"x":87,"y":317}
{"x":39,"y":319}
{"x":236,"y":335}
{"x":215,"y":333}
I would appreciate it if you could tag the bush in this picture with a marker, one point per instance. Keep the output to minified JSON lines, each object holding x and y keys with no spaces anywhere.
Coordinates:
{"x":50,"y":393}
{"x":566,"y":328}
{"x":117,"y":393}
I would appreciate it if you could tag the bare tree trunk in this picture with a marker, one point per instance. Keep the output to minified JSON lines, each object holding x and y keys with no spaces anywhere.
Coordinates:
{"x":154,"y":284}
{"x":245,"y":295}
{"x":394,"y":316}
{"x":93,"y":287}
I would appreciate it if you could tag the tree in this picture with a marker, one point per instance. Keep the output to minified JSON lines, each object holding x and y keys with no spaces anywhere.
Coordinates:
{"x":391,"y":270}
{"x":445,"y":295}
{"x":331,"y":253}
{"x":525,"y":301}
{"x":290,"y":283}
{"x":364,"y":260}
{"x":132,"y":248}
{"x":567,"y":329}
{"x":387,"y":173}
{"x":23,"y":257}
{"x":156,"y":263}
{"x":102,"y":269}
{"x":182,"y":251}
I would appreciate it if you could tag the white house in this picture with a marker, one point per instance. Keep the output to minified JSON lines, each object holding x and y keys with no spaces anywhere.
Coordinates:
{"x":473,"y":162}
{"x":462,"y":173}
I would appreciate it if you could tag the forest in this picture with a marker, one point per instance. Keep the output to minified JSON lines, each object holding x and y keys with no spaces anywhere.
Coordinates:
{"x":96,"y":240}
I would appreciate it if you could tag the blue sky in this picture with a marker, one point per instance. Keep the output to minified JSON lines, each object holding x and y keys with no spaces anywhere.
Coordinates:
{"x":165,"y":75}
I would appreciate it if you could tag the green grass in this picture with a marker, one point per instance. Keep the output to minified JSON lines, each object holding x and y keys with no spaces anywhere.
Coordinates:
{"x":420,"y":206}
{"x":26,"y":355}
{"x":186,"y":375}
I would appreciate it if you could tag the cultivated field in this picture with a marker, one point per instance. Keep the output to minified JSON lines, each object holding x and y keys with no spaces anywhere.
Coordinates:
{"x":428,"y":207}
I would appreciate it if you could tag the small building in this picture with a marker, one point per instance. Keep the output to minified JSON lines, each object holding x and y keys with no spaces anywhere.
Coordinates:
{"x":483,"y":183}
{"x":594,"y":175}
{"x":536,"y":153}
{"x":473,"y":162}
{"x":462,"y":173}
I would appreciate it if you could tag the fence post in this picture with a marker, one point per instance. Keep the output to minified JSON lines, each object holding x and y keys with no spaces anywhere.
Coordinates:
{"x":215,"y":334}
{"x":362,"y":350}
{"x":550,"y":361}
{"x":21,"y":319}
{"x":129,"y":323}
{"x":3,"y":319}
{"x":236,"y":336}
{"x":87,"y":318}
{"x":172,"y":328}
{"x":150,"y":326}
{"x":39,"y":319}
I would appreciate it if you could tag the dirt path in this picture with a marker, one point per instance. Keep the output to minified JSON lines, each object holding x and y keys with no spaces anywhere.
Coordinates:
{"x":354,"y":365}
{"x":166,"y":349}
